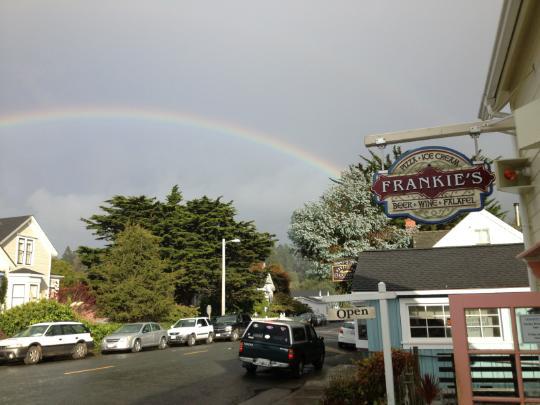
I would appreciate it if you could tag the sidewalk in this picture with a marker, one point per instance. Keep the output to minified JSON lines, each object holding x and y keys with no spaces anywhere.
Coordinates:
{"x":309,"y":393}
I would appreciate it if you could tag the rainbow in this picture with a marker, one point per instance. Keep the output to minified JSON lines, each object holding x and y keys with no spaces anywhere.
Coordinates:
{"x":169,"y":118}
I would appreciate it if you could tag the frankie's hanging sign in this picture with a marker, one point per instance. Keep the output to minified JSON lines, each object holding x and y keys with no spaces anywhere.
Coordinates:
{"x":433,"y":185}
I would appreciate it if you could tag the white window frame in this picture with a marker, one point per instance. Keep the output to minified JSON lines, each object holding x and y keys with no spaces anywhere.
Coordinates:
{"x":503,"y":342}
{"x":25,"y":252}
{"x":422,"y":343}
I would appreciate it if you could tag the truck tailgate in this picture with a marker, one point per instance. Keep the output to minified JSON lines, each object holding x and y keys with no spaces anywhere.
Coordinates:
{"x":260,"y":350}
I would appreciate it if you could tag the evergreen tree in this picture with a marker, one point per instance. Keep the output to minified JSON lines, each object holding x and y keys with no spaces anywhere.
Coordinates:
{"x":133,"y":285}
{"x":343,"y":223}
{"x":69,"y":255}
{"x":190,"y":235}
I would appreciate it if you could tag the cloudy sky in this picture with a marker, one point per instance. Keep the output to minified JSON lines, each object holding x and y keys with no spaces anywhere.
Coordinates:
{"x":256,"y":101}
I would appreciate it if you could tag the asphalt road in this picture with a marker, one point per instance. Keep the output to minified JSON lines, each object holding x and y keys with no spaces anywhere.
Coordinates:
{"x":203,"y":373}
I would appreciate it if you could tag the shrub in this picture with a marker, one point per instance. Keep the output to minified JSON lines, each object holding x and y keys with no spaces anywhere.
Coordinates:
{"x":429,"y":388}
{"x":16,"y":319}
{"x":370,"y":374}
{"x":342,"y":390}
{"x":180,"y":311}
{"x":100,"y":330}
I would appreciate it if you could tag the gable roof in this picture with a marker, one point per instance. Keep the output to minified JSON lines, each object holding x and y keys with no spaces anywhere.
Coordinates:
{"x":10,"y":225}
{"x":448,"y":268}
{"x":464,"y":233}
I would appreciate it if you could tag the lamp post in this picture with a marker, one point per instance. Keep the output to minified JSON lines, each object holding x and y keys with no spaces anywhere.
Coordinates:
{"x":223,"y":243}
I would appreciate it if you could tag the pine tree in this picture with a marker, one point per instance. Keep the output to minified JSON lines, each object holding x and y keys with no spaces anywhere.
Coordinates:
{"x":133,"y":285}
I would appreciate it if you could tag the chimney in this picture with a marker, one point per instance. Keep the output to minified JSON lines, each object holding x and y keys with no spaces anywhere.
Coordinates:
{"x":410,"y":224}
{"x":517,"y":215}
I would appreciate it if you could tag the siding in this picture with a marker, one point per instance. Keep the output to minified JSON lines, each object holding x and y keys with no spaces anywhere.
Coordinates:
{"x":374,"y":326}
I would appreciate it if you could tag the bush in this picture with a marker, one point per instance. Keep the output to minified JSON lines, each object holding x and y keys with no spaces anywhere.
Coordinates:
{"x":370,"y":375}
{"x":180,"y":311}
{"x":342,"y":390}
{"x":100,"y":330}
{"x":16,"y":319}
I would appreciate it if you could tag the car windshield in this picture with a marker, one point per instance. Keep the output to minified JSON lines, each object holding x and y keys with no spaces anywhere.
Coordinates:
{"x":225,"y":319}
{"x":184,"y":323}
{"x":266,"y":332}
{"x":130,"y":328}
{"x":31,"y":331}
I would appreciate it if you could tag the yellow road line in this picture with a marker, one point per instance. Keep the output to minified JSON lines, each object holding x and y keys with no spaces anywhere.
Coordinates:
{"x":89,"y":369}
{"x":199,"y":351}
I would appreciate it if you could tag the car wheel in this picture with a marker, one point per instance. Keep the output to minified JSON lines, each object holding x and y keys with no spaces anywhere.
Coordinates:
{"x":162,"y":343}
{"x":33,"y":355}
{"x":191,"y":340}
{"x":136,"y":346}
{"x":210,"y":338}
{"x":234,"y":335}
{"x":320,"y":362}
{"x":298,"y":370}
{"x":79,"y":351}
{"x":251,"y":368}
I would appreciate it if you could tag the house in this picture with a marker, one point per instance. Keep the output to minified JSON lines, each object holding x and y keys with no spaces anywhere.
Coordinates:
{"x":25,"y":261}
{"x":312,"y":298}
{"x":422,"y":279}
{"x":480,"y":228}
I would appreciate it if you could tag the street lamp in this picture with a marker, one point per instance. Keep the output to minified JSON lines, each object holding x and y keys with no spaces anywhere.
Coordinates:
{"x":223,"y":243}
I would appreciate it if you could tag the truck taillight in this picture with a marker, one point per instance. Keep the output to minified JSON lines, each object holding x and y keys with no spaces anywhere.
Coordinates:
{"x":241,"y":349}
{"x":290,"y":354}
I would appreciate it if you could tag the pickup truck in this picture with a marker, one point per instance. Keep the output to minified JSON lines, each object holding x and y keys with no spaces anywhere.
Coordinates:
{"x":231,"y":326}
{"x":281,"y":344}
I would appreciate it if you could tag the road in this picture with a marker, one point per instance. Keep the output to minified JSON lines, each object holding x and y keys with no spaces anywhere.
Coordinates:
{"x":203,"y":373}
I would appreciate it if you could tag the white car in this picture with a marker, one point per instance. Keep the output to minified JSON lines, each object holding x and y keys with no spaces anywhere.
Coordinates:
{"x":189,"y":330}
{"x":346,"y":336}
{"x":47,"y":339}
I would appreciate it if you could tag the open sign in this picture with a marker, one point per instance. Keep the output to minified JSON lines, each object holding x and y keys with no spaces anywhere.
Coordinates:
{"x":350,"y":314}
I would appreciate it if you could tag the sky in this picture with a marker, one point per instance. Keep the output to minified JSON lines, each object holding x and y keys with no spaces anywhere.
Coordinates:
{"x":260,"y":102}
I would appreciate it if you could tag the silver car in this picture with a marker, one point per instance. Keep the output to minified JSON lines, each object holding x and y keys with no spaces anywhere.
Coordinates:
{"x":134,"y":337}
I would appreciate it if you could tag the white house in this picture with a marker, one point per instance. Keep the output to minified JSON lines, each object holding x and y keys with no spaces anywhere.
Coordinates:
{"x":25,"y":261}
{"x":480,"y":228}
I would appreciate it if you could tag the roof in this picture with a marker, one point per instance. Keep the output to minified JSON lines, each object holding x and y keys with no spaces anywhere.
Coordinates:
{"x":452,"y":268}
{"x":308,"y":293}
{"x":56,"y":323}
{"x":10,"y":225}
{"x":282,"y":322}
{"x":427,"y":239}
{"x":24,"y":270}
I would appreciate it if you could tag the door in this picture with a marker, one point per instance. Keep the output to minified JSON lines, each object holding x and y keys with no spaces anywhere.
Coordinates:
{"x":147,"y":338}
{"x":53,"y":343}
{"x":69,"y":337}
{"x":202,"y":329}
{"x":312,"y":346}
{"x":157,"y":333}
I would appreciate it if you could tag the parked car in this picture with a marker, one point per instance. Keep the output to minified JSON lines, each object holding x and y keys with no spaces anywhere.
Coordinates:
{"x":230,"y":327}
{"x":307,"y":317}
{"x":346,"y":336}
{"x":190,"y":330}
{"x":320,"y":319}
{"x":135,"y":337}
{"x":281,"y":344}
{"x":47,"y":339}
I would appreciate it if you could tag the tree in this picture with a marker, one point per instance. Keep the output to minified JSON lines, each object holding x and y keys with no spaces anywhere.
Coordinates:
{"x":343,"y":223}
{"x":280,"y":278}
{"x":190,"y":234}
{"x":132,"y":283}
{"x":69,"y":255}
{"x":71,"y":276}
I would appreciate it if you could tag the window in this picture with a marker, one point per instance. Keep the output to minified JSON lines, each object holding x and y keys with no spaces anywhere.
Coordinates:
{"x":266,"y":332}
{"x":55,"y":330}
{"x":34,"y":292}
{"x":299,"y":334}
{"x":155,"y":327}
{"x":482,"y":237}
{"x":25,"y":251}
{"x":17,"y":294}
{"x":146,"y":328}
{"x":78,"y":328}
{"x":201,"y":322}
{"x":429,"y":321}
{"x":483,"y":322}
{"x":68,"y":330}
